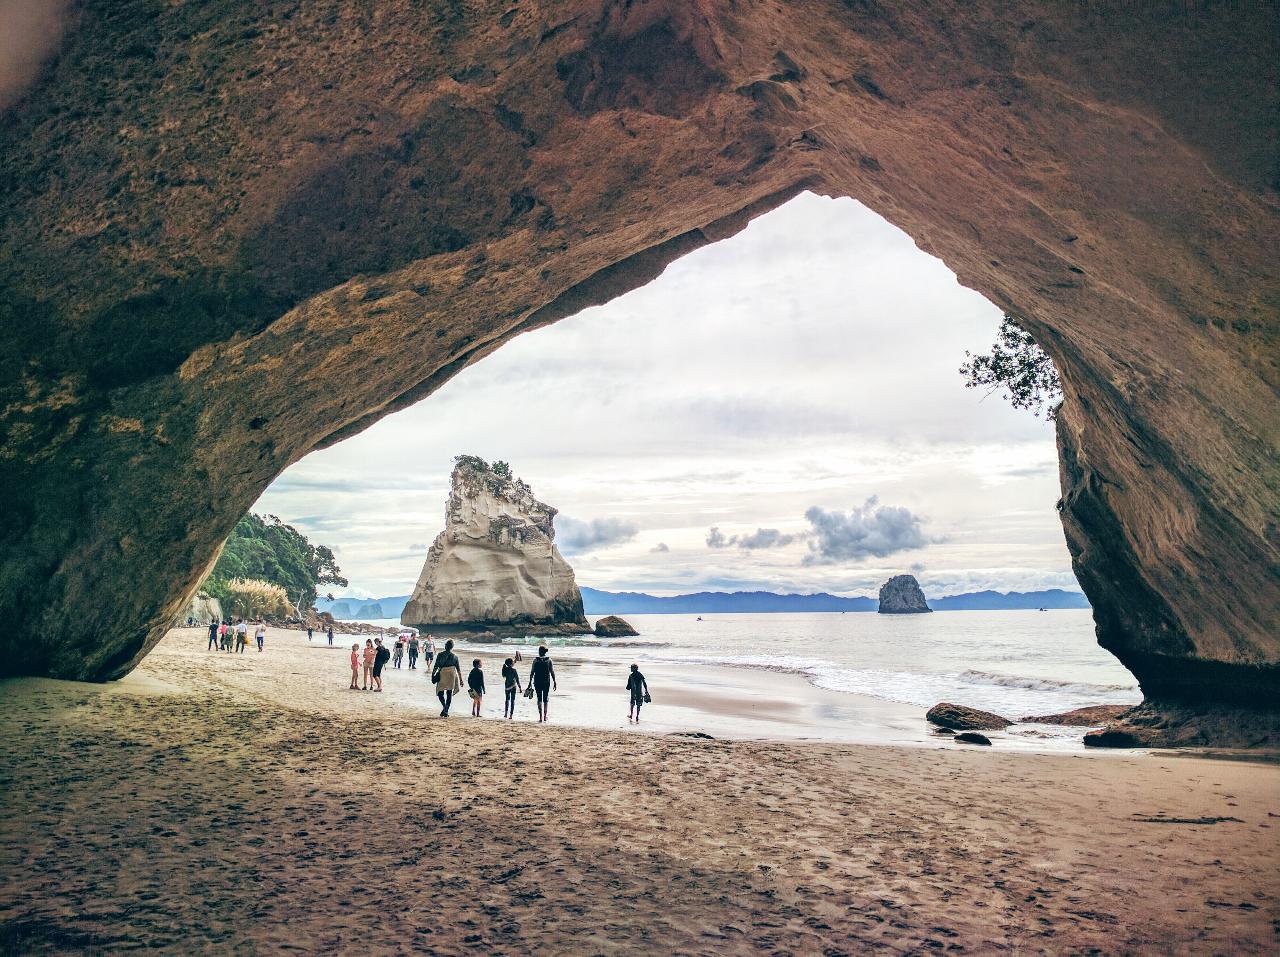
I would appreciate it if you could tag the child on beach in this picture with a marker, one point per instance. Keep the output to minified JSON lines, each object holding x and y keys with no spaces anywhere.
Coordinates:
{"x":355,"y":667}
{"x":260,"y":633}
{"x":511,"y":686}
{"x":475,"y":686}
{"x":369,"y":654}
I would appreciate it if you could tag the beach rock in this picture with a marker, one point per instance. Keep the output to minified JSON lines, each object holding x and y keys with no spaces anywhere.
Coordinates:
{"x":1091,"y":716}
{"x":611,"y":626}
{"x":960,"y":718}
{"x":901,"y":595}
{"x":973,"y":737}
{"x":495,"y":570}
{"x":196,"y":294}
{"x":1172,"y":724}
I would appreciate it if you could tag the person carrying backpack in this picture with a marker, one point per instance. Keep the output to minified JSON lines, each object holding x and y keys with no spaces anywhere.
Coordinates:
{"x":542,"y":677}
{"x":379,"y":662}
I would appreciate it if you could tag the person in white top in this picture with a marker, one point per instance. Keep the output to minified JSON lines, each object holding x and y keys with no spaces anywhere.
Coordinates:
{"x":260,"y":633}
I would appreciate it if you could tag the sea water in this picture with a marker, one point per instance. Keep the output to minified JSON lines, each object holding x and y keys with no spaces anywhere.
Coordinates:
{"x":1014,"y":663}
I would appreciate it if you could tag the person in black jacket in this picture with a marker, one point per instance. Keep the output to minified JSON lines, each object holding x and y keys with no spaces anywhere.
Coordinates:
{"x":379,"y":660}
{"x":639,"y":689}
{"x":213,"y":635}
{"x":542,"y":675}
{"x":475,"y":686}
{"x":511,"y":685}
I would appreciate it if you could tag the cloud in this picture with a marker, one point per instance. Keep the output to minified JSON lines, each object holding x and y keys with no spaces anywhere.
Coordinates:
{"x":577,"y":536}
{"x":867,"y":530}
{"x":660,"y":547}
{"x":418,"y":547}
{"x":760,"y":538}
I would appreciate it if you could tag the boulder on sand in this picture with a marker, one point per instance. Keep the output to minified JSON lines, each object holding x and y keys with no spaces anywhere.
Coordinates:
{"x":972,"y":737}
{"x":611,"y":626}
{"x":1090,"y":717}
{"x":901,"y":595}
{"x":959,"y":718}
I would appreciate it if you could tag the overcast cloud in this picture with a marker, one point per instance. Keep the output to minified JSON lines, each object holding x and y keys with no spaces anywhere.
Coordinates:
{"x":801,"y":367}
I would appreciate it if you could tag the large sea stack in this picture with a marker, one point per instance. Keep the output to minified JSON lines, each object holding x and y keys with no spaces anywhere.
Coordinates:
{"x":901,"y":595}
{"x":495,"y":570}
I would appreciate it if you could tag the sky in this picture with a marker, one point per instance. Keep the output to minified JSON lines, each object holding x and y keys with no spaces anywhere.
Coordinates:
{"x":779,"y":411}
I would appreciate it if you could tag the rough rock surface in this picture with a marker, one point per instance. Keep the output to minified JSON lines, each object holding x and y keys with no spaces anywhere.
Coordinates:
{"x":611,"y":626}
{"x":1173,"y":725}
{"x":961,"y":718}
{"x":495,"y":568}
{"x":902,"y":595}
{"x":972,"y":737}
{"x":232,"y":236}
{"x":1090,"y":717}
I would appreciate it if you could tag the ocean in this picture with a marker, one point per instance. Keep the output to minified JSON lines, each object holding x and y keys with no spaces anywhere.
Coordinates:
{"x":1014,"y":663}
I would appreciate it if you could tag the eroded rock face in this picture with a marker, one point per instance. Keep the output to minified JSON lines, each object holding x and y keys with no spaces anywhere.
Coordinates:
{"x":495,"y":568}
{"x":230,"y":237}
{"x":902,"y":595}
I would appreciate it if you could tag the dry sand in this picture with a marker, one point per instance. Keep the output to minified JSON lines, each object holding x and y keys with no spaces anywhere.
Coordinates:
{"x":251,"y":805}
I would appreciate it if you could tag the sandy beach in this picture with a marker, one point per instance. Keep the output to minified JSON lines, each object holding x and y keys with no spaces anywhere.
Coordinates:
{"x":251,"y":804}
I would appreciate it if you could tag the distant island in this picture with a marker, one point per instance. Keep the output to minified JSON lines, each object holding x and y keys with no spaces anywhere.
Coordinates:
{"x":599,"y":602}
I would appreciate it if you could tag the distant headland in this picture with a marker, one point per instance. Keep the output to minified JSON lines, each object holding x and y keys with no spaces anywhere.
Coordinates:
{"x":598,"y":602}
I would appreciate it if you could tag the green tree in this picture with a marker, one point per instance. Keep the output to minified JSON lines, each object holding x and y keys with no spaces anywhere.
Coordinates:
{"x":1020,"y":367}
{"x":265,"y":548}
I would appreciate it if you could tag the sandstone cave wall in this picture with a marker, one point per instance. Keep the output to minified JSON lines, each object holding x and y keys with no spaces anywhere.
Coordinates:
{"x":232,"y":233}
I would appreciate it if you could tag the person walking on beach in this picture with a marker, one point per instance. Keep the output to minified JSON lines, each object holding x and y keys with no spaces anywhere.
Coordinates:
{"x":639,"y":689}
{"x":475,"y":687}
{"x":511,"y":687}
{"x":214,"y":627}
{"x":398,"y":655}
{"x":355,"y":666}
{"x":380,"y":657}
{"x":242,"y":637}
{"x":369,"y":653}
{"x":310,"y":631}
{"x":260,"y":634}
{"x":542,"y":675}
{"x":447,"y":676}
{"x":224,"y":636}
{"x":429,"y":649}
{"x":413,"y":652}
{"x":331,"y":636}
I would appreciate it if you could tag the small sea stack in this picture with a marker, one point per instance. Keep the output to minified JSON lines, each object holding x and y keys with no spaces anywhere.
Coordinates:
{"x":901,"y":595}
{"x":611,"y":626}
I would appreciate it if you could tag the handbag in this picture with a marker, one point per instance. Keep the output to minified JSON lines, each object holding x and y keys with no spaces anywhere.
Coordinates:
{"x":528,"y":692}
{"x":647,"y":699}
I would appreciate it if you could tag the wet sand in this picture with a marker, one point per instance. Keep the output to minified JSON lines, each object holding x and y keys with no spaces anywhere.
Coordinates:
{"x":250,"y":804}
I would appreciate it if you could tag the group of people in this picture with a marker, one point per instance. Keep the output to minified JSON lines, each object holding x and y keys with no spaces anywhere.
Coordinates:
{"x":446,"y":675}
{"x":223,"y":634}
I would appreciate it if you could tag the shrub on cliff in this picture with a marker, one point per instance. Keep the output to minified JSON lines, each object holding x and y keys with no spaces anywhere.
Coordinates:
{"x":1020,"y":367}
{"x":263,"y":548}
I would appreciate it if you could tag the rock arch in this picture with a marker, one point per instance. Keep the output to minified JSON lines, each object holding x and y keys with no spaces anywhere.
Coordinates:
{"x":231,"y":236}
